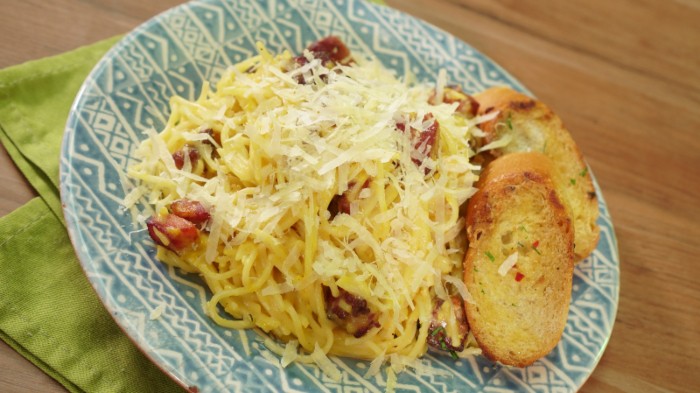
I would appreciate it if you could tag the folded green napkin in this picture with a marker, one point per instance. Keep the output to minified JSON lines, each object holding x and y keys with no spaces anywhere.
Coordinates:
{"x":48,"y":311}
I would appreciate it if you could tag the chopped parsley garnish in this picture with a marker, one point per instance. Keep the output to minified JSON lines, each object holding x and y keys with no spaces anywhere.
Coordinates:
{"x":509,"y":123}
{"x":436,"y":331}
{"x":584,"y":172}
{"x":454,"y":355}
{"x":491,"y":257}
{"x":573,"y":181}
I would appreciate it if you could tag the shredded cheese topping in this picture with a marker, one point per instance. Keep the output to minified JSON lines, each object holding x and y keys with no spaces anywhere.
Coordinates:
{"x":508,"y":264}
{"x":273,"y":156}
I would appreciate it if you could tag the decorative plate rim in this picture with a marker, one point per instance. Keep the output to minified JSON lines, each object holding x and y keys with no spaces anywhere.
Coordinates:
{"x":76,"y":225}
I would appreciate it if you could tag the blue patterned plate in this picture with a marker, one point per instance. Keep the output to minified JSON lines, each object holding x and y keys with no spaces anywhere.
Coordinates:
{"x":172,"y":54}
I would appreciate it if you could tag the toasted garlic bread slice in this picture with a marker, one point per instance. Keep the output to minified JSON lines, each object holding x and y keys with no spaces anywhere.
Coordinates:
{"x":520,"y":260}
{"x":532,"y":126}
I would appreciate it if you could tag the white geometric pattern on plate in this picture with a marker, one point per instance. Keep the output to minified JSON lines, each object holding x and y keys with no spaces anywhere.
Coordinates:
{"x":172,"y":54}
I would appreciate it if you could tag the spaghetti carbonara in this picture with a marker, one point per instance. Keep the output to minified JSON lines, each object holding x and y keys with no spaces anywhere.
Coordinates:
{"x":319,"y":198}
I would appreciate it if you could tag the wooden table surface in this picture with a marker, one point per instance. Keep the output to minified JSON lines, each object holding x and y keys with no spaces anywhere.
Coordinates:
{"x":625,"y":77}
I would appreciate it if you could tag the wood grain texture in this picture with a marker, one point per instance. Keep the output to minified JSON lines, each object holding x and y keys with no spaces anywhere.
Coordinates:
{"x":625,"y":77}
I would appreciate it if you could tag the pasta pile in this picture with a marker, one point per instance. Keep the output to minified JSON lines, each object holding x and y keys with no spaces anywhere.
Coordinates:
{"x":319,"y":198}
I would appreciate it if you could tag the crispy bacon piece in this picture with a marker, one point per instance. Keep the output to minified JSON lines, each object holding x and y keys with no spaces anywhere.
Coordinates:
{"x":172,"y":232}
{"x":426,"y":140}
{"x":179,"y":156}
{"x":349,"y":311}
{"x":437,"y":333}
{"x":341,"y":203}
{"x":423,"y":141}
{"x":330,"y":50}
{"x":190,"y":150}
{"x":216,"y":136}
{"x":192,"y":211}
{"x":467,"y":106}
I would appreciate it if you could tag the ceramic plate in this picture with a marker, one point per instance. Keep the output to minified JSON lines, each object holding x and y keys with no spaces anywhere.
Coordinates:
{"x":172,"y":54}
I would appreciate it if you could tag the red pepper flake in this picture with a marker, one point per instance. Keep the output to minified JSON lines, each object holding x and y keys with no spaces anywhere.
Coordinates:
{"x":519,"y":276}
{"x":536,"y":244}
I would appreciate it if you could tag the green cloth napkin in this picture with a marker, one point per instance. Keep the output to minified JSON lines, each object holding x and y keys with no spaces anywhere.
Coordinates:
{"x":48,"y":311}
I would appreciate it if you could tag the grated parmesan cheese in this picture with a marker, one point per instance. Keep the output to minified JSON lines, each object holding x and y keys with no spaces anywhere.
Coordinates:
{"x":461,"y":288}
{"x":375,"y":366}
{"x":508,"y":263}
{"x":157,"y":312}
{"x":290,"y":353}
{"x":329,"y":369}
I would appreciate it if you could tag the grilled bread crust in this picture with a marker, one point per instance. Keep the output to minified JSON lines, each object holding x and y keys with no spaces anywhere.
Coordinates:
{"x":532,"y":126}
{"x":518,"y":317}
